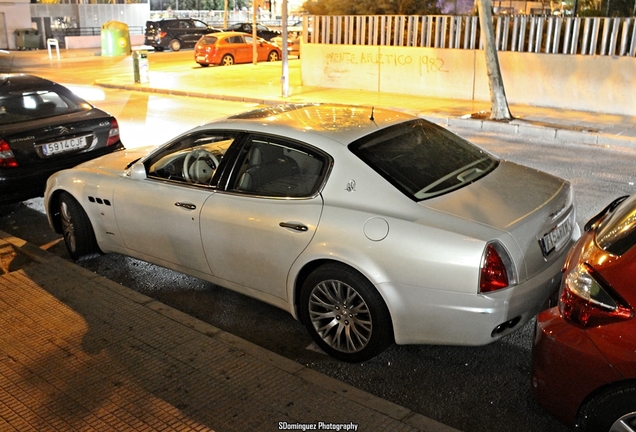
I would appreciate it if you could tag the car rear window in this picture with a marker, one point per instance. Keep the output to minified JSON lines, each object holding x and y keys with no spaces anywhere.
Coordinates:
{"x":18,"y":107}
{"x":422,"y":159}
{"x":617,"y":233}
{"x":209,"y":40}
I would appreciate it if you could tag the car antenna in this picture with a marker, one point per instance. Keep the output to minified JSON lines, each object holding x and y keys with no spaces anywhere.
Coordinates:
{"x":371,"y":118}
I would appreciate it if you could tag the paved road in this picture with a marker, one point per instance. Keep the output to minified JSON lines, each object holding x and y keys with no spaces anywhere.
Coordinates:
{"x":473,"y":389}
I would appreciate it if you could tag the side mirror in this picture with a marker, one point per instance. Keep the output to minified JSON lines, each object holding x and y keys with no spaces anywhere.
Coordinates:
{"x":138,"y":171}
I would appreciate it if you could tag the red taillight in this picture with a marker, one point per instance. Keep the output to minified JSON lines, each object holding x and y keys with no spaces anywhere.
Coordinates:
{"x":7,"y":158}
{"x":113,"y":133}
{"x":587,"y":300}
{"x":162,"y":34}
{"x":494,"y":274}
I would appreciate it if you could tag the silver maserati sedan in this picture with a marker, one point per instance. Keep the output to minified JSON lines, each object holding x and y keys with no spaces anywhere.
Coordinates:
{"x":370,"y":226}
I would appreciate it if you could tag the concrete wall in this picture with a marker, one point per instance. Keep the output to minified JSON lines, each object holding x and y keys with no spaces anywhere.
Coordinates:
{"x":586,"y":83}
{"x":16,"y":16}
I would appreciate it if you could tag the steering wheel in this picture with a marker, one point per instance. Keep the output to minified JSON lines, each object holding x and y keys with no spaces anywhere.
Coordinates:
{"x":196,"y":158}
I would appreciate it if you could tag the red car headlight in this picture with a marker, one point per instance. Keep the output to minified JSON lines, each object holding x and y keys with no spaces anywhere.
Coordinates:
{"x":587,"y":300}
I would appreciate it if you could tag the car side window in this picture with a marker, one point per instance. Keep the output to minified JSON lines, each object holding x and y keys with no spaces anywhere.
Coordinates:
{"x":191,"y":159}
{"x":185,"y":25}
{"x":272,"y":167}
{"x":199,"y":24}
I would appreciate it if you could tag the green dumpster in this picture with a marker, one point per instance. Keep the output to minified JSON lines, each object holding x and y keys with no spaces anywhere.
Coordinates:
{"x":27,"y":39}
{"x":115,"y":39}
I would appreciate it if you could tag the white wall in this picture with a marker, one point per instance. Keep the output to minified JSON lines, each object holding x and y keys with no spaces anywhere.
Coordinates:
{"x":588,"y":83}
{"x":17,"y":16}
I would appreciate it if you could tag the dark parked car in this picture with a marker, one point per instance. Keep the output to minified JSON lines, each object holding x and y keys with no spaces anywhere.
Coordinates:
{"x":584,"y":353}
{"x":44,"y":128}
{"x":175,"y":33}
{"x":261,"y":31}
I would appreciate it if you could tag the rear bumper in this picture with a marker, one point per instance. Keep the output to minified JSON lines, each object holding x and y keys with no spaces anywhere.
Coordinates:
{"x":424,"y":316}
{"x":19,"y":184}
{"x":563,"y":359}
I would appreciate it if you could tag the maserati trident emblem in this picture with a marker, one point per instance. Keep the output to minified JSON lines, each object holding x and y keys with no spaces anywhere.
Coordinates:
{"x":557,"y":213}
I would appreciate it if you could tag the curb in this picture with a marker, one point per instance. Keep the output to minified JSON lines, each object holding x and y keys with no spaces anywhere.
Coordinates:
{"x":549,"y":133}
{"x":390,"y":409}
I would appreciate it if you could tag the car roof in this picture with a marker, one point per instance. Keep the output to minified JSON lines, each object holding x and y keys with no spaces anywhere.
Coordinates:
{"x":20,"y":82}
{"x":340,"y":123}
{"x":226,"y":34}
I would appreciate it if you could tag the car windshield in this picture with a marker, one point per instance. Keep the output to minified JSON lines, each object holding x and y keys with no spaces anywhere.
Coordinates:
{"x":19,"y":107}
{"x":423,"y":160}
{"x":617,"y":233}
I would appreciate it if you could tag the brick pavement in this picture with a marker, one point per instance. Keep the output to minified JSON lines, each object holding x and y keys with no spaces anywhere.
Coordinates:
{"x":80,"y":352}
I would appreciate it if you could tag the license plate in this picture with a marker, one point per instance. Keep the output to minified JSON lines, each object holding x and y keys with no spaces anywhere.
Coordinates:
{"x":200,"y":58}
{"x":64,"y":146}
{"x":556,"y":237}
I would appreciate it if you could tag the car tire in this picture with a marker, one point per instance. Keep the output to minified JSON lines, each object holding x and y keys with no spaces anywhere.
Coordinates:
{"x":273,"y":56}
{"x":227,"y":60}
{"x":204,"y":64}
{"x":610,"y":410}
{"x":175,"y":44}
{"x":77,"y":230}
{"x":352,"y":337}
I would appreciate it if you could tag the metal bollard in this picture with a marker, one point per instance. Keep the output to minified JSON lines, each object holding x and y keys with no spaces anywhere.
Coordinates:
{"x":140,"y":66}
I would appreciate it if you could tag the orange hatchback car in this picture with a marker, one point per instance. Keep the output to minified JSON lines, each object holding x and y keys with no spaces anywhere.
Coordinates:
{"x":228,"y":48}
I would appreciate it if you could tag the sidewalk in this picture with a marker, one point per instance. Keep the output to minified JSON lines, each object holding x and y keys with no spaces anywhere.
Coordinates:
{"x":80,"y":352}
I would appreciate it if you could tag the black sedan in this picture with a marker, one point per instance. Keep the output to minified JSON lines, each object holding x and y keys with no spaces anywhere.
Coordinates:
{"x":261,"y":31}
{"x":44,"y":128}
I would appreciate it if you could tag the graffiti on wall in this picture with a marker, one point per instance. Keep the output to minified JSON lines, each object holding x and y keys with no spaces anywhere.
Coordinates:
{"x":427,"y":64}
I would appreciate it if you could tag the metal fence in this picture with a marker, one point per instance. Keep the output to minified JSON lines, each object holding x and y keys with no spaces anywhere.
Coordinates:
{"x":522,"y":33}
{"x":89,"y":31}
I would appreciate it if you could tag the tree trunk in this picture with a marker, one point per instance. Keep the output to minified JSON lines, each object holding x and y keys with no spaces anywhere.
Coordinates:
{"x":499,"y":104}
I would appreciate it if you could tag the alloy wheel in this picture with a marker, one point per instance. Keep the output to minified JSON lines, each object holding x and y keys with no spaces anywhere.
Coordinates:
{"x":626,"y":423}
{"x":340,"y":316}
{"x":68,"y":226}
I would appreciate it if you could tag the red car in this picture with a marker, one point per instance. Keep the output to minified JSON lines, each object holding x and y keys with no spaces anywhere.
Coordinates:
{"x":228,"y":48}
{"x":584,"y":352}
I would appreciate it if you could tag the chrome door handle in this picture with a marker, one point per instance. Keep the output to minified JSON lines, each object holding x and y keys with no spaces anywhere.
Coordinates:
{"x":294,"y":226}
{"x":186,"y":206}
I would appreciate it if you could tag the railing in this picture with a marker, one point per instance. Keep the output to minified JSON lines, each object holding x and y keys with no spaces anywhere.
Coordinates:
{"x":523,"y":33}
{"x":89,"y":31}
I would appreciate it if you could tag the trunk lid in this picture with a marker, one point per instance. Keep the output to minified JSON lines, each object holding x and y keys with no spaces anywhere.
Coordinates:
{"x":534,"y":207}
